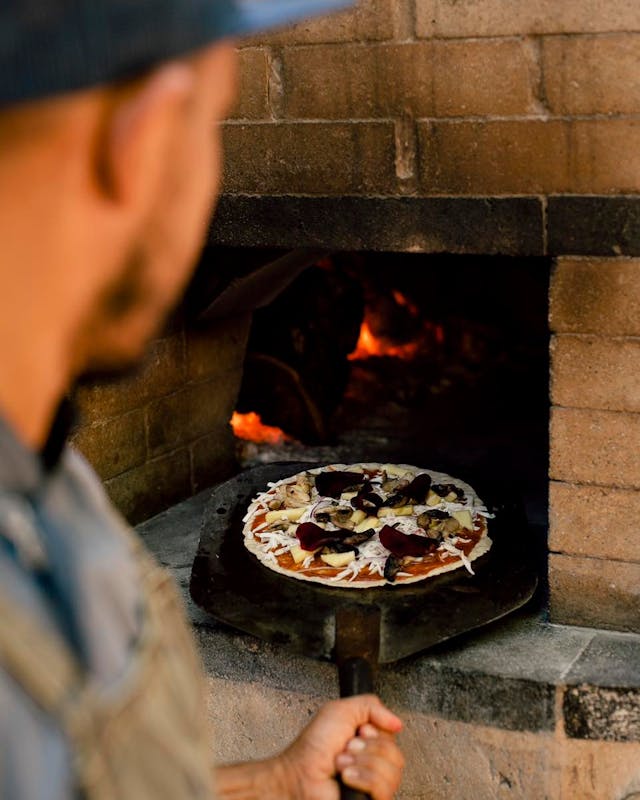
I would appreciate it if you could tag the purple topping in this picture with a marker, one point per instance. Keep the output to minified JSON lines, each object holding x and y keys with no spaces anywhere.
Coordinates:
{"x":403,"y":544}
{"x":333,"y":484}
{"x":312,"y":536}
{"x":418,"y":488}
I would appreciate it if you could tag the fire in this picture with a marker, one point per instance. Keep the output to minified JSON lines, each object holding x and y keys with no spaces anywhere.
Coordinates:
{"x":250,"y":427}
{"x":427,"y":335}
{"x":370,"y":345}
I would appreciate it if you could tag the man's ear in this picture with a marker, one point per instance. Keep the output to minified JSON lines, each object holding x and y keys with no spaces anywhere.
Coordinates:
{"x":139,"y":132}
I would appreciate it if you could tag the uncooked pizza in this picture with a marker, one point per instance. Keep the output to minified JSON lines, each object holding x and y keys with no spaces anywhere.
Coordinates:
{"x":365,"y":525}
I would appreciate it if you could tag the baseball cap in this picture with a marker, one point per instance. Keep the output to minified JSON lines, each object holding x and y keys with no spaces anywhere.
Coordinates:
{"x":49,"y":47}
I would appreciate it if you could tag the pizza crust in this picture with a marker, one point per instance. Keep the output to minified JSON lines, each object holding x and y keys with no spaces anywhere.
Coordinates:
{"x":258,"y":507}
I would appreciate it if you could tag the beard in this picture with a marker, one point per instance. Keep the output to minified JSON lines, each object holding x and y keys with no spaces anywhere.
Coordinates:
{"x":108,"y":357}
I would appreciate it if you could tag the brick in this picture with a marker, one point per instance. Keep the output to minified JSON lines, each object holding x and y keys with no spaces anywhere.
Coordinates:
{"x":590,"y":225}
{"x":599,"y":447}
{"x":493,"y":77}
{"x":494,"y":158}
{"x":461,"y":18}
{"x":162,"y":372}
{"x":605,"y":156}
{"x":420,"y":79}
{"x":253,"y":88}
{"x":359,"y":82}
{"x":218,"y":349}
{"x":114,"y":446}
{"x":371,"y":20}
{"x":153,"y":487}
{"x":594,"y":593}
{"x":594,"y":372}
{"x":597,"y":295}
{"x":594,"y":521}
{"x":213,"y":458}
{"x":323,"y":158}
{"x":185,"y":416}
{"x":592,"y":74}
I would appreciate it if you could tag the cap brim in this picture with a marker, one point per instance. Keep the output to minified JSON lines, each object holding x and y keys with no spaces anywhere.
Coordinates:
{"x":261,"y":15}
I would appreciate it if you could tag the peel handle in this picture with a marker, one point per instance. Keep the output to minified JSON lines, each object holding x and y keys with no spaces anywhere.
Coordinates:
{"x":356,"y":677}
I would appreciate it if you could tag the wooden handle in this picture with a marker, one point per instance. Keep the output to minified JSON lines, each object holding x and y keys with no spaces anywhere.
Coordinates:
{"x":356,"y":677}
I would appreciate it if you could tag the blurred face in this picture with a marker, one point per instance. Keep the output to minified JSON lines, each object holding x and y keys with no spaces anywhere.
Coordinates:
{"x":162,"y":255}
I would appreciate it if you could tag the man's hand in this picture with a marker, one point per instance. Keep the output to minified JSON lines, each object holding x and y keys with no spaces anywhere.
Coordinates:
{"x":354,"y":738}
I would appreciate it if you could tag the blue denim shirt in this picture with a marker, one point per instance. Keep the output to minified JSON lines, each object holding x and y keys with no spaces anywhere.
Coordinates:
{"x":63,"y":560}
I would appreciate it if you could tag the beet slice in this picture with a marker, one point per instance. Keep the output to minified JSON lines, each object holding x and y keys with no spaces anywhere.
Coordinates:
{"x":332,"y":484}
{"x":312,"y":536}
{"x":406,"y":544}
{"x":418,"y":488}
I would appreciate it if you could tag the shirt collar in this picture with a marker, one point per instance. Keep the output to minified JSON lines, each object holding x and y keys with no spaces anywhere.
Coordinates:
{"x":23,"y":470}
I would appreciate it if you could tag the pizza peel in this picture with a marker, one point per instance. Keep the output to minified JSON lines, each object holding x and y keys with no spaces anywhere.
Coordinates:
{"x":356,"y":628}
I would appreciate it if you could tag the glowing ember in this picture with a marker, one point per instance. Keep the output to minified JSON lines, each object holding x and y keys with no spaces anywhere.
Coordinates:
{"x":250,"y":427}
{"x":370,"y":345}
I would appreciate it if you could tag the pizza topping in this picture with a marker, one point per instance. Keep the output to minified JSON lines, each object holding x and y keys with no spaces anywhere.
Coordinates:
{"x":419,"y":487}
{"x":312,"y":536}
{"x":392,"y":567}
{"x":359,"y":537}
{"x":333,"y":484}
{"x":338,"y":559}
{"x":367,"y":501}
{"x":448,"y":491}
{"x":403,"y":544}
{"x":363,"y":524}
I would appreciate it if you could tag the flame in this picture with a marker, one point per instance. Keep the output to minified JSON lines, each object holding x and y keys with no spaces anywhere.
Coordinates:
{"x":250,"y":427}
{"x":370,"y":345}
{"x":401,"y":300}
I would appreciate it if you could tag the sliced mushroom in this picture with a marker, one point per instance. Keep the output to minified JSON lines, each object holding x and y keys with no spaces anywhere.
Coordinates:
{"x":392,"y":567}
{"x":359,"y":538}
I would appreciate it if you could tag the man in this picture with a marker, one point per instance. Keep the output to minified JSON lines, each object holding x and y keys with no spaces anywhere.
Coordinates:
{"x":110,"y":162}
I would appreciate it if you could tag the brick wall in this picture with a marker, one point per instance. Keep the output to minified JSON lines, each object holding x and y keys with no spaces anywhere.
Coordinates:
{"x":504,"y":126}
{"x":163,"y":435}
{"x":464,"y":97}
{"x":595,"y":441}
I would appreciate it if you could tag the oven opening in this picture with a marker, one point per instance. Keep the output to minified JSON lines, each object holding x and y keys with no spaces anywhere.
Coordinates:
{"x":441,"y":361}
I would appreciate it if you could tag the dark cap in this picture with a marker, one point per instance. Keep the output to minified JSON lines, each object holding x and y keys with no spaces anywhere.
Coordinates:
{"x":49,"y":47}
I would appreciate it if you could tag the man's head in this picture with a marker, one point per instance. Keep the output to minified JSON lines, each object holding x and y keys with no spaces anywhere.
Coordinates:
{"x":110,"y":164}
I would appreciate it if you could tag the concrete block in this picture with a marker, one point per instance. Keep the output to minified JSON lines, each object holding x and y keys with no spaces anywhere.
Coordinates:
{"x":322,"y":158}
{"x":494,"y":157}
{"x":114,"y":446}
{"x":594,"y":521}
{"x":594,"y":592}
{"x":370,"y":20}
{"x":605,"y":156}
{"x":253,"y":88}
{"x":161,"y":373}
{"x":592,"y":74}
{"x":152,"y":487}
{"x":596,"y":447}
{"x":483,"y":77}
{"x":213,"y":458}
{"x":463,"y":18}
{"x":597,"y":295}
{"x":191,"y":413}
{"x":595,"y":372}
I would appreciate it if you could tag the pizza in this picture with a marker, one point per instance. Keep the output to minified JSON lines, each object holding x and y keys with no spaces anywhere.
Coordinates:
{"x":365,"y":525}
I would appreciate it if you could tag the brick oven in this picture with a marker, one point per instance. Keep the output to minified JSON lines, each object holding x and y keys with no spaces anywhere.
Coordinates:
{"x":470,"y":127}
{"x":479,"y":126}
